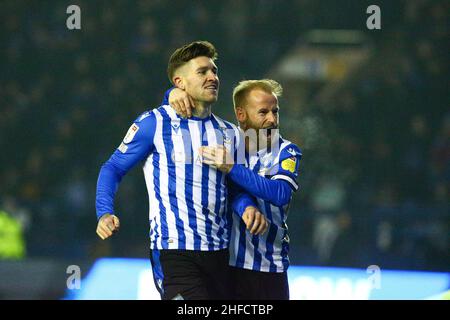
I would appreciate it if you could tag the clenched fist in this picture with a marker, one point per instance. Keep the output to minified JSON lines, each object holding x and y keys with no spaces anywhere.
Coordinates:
{"x":107,"y":226}
{"x":255,"y":221}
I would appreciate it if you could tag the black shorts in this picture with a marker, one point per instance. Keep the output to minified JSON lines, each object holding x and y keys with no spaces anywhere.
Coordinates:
{"x":256,"y":285}
{"x":191,"y":275}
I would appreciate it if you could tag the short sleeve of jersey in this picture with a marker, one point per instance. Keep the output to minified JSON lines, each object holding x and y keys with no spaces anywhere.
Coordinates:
{"x":287,"y":168}
{"x":137,"y":143}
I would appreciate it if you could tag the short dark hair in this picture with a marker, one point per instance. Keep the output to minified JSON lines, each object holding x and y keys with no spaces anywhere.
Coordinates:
{"x":188,"y":52}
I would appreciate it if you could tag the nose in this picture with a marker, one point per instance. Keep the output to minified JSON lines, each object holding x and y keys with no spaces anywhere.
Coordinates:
{"x":272,"y":118}
{"x":213,"y":76}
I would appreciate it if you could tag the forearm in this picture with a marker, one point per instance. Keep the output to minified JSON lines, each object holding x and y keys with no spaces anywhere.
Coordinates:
{"x":107,"y":185}
{"x":241,"y":202}
{"x":277,"y":192}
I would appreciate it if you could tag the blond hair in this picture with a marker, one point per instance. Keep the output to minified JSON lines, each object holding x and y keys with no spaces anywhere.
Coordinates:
{"x":244,"y":87}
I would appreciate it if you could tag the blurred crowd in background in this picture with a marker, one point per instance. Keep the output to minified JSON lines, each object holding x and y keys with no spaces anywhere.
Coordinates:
{"x":376,"y":191}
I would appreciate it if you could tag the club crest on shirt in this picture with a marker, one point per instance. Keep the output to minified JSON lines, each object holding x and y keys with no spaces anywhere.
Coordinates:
{"x":175,"y":125}
{"x":289,"y":164}
{"x":131,"y":133}
{"x":291,"y":151}
{"x":226,"y":138}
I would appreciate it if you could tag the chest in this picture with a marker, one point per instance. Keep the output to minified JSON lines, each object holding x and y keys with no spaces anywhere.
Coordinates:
{"x":179,"y":141}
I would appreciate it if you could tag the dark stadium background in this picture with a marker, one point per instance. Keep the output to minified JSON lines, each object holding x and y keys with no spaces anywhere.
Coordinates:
{"x":375,"y":134}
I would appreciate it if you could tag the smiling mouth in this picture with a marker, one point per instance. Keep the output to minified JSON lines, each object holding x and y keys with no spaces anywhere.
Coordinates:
{"x":212,"y":87}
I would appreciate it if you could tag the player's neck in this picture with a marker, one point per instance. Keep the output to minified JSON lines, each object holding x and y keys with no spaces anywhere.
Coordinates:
{"x":202,"y":110}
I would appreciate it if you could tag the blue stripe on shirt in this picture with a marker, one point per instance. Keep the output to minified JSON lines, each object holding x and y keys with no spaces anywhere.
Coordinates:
{"x":257,"y":257}
{"x":205,"y":189}
{"x":240,"y":260}
{"x":172,"y":181}
{"x":162,"y":209}
{"x":270,"y":238}
{"x":188,"y":182}
{"x":219,"y":174}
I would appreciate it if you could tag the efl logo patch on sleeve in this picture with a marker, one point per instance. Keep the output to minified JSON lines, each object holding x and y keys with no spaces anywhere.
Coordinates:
{"x":123,"y":148}
{"x":131,"y":133}
{"x":289,"y":164}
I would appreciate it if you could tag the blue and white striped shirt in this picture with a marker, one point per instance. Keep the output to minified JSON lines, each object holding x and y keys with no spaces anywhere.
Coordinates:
{"x":268,"y":252}
{"x":187,"y":199}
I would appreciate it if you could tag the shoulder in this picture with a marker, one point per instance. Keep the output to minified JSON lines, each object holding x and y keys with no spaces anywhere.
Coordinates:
{"x":143,"y":125}
{"x":149,"y":115}
{"x":230,"y":125}
{"x":224,"y":123}
{"x":288,"y":159}
{"x":163,"y":112}
{"x":289,"y":149}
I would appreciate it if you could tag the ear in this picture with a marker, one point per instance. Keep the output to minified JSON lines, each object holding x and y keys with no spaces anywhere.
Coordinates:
{"x":178,"y":82}
{"x":241,"y":114}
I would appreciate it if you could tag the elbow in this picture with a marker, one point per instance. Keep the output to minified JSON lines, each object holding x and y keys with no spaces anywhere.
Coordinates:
{"x":284,"y":194}
{"x":110,"y":166}
{"x":284,"y":199}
